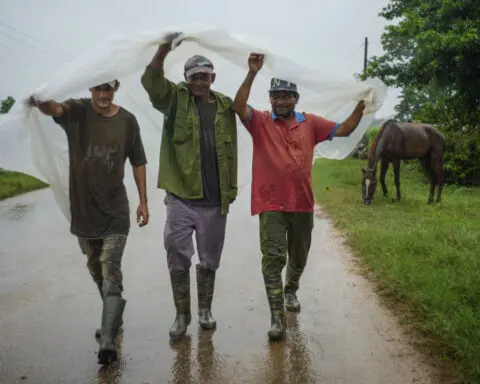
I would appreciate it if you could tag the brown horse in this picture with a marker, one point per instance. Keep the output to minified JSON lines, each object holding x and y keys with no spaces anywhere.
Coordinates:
{"x":397,"y":141}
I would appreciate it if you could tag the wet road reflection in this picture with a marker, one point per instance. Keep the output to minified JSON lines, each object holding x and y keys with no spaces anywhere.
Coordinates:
{"x":49,"y":309}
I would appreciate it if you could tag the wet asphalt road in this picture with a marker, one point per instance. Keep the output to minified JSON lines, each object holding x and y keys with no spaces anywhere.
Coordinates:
{"x":49,"y":309}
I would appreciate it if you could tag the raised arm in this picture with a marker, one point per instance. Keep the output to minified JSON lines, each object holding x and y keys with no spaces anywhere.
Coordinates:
{"x":63,"y":113}
{"x":159,"y":89}
{"x":349,"y":125}
{"x":240,"y":106}
{"x":48,"y":108}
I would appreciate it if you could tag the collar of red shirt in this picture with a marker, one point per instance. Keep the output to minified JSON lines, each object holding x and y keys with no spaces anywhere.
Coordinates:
{"x":298,"y":116}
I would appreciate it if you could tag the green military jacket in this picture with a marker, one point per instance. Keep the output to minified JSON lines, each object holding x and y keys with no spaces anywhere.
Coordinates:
{"x":180,"y":164}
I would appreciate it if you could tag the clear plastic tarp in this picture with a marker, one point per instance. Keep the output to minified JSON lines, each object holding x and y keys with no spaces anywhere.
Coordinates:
{"x":32,"y":143}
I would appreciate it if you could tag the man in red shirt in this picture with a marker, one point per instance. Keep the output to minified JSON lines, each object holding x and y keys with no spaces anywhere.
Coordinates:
{"x":282,"y":196}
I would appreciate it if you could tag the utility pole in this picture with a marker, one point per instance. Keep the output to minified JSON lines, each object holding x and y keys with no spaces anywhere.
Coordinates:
{"x":365,"y":56}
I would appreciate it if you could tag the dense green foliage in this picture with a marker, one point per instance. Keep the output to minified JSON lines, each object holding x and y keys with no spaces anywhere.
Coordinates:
{"x":433,"y":54}
{"x":7,"y":104}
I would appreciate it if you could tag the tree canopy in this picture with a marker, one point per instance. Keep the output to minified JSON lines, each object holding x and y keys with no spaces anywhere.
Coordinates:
{"x":433,"y":55}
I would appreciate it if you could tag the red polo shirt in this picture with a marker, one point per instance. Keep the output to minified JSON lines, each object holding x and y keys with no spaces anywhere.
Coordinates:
{"x":282,"y":160}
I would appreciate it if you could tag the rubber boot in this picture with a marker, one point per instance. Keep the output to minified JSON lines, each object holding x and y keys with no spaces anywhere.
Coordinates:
{"x":100,"y":288}
{"x":205,"y":287}
{"x":291,"y":302}
{"x":291,"y":287}
{"x":274,"y":288}
{"x":277,"y":327}
{"x":98,"y":331}
{"x":181,"y":297}
{"x":113,"y":307}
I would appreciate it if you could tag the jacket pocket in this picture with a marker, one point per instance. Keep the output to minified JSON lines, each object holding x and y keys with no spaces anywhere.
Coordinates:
{"x":226,"y":145}
{"x":182,"y":131}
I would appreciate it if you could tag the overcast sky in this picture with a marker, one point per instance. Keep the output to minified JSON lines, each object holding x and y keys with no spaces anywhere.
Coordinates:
{"x":38,"y":38}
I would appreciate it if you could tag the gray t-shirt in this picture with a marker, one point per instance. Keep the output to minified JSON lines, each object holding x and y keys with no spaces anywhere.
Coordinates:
{"x":98,"y":148}
{"x":207,"y":111}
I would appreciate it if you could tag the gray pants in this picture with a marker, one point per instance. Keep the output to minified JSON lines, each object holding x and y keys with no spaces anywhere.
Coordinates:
{"x":209,"y":226}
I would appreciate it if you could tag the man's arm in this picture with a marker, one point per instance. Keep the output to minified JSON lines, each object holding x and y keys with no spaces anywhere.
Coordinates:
{"x":48,"y":108}
{"x":349,"y":125}
{"x":140,"y":175}
{"x":138,"y":160}
{"x":240,"y":105}
{"x":62,"y":113}
{"x":160,"y":90}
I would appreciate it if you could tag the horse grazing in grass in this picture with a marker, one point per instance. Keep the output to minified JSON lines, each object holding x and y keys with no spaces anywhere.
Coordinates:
{"x":397,"y":141}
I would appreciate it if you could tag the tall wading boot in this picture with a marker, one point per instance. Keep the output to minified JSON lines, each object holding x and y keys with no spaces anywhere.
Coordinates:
{"x":205,"y":287}
{"x":113,"y":307}
{"x":291,"y":287}
{"x":98,"y":331}
{"x":181,"y":298}
{"x":274,"y":288}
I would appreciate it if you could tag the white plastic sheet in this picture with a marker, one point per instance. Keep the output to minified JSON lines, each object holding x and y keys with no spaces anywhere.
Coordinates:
{"x":34,"y":144}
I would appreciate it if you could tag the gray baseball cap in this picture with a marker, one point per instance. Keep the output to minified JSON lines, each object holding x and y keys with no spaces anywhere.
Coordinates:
{"x":197,"y":64}
{"x":277,"y":85}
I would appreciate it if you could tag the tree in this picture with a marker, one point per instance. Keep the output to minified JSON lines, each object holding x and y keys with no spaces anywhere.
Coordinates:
{"x":413,"y":101}
{"x":433,"y":54}
{"x":7,"y":104}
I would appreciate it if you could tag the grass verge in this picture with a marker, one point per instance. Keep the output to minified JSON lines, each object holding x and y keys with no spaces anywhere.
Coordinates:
{"x":424,"y":257}
{"x":16,"y":183}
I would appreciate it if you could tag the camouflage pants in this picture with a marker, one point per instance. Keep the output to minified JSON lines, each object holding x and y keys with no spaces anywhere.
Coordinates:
{"x":282,"y":233}
{"x":104,"y":262}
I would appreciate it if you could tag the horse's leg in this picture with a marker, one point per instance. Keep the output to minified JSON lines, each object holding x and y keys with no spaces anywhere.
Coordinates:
{"x":437,"y":170}
{"x":383,"y":172}
{"x":396,"y":171}
{"x":432,"y":180}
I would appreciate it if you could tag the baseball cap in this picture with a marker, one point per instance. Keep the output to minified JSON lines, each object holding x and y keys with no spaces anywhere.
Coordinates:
{"x":277,"y":85}
{"x":106,"y":86}
{"x":197,"y":64}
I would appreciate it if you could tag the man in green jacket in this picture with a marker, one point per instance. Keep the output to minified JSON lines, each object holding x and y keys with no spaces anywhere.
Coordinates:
{"x":198,"y":171}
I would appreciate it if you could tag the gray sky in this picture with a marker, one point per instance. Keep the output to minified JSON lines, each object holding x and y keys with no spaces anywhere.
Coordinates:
{"x":36,"y":37}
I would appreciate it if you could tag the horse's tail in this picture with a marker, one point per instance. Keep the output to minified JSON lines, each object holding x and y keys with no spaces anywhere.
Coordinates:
{"x":371,"y":151}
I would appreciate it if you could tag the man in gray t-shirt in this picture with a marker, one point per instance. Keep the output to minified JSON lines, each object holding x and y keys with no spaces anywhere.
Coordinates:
{"x":101,"y":136}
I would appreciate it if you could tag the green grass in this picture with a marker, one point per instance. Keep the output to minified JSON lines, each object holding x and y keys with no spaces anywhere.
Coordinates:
{"x":424,"y":257}
{"x":371,"y":133}
{"x":15,"y":183}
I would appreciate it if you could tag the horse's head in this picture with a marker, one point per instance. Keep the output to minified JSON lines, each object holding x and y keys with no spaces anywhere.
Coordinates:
{"x":369,"y":185}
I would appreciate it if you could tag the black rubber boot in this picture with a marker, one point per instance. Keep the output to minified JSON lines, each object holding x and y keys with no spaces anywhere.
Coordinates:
{"x":274,"y":288}
{"x":205,"y":288}
{"x":98,"y":331}
{"x":277,"y":328}
{"x":113,"y":307}
{"x":181,"y":298}
{"x":291,"y":302}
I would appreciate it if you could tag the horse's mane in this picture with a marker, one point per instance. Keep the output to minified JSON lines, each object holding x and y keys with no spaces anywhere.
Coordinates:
{"x":371,"y":151}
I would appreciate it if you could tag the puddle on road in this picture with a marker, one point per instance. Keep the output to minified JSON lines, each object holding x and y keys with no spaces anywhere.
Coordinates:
{"x":15,"y":211}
